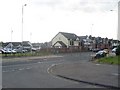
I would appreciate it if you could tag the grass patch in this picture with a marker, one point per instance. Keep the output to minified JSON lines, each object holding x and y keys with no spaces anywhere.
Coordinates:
{"x":28,"y":54}
{"x":110,"y":60}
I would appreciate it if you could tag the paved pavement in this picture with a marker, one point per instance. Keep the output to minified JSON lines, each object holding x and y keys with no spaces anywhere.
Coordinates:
{"x":87,"y":72}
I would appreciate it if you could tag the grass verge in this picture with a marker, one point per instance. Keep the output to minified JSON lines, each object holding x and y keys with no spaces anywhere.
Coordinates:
{"x":110,"y":60}
{"x":26,"y":54}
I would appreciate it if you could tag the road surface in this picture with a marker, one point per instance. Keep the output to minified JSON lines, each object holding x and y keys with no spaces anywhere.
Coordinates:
{"x":34,"y":73}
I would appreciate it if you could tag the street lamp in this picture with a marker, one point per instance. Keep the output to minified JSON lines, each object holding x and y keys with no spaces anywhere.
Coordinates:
{"x":31,"y":37}
{"x":11,"y":35}
{"x":22,"y":18}
{"x":11,"y":39}
{"x":31,"y":40}
{"x":118,"y":35}
{"x":118,"y":27}
{"x":22,"y":23}
{"x":91,"y":29}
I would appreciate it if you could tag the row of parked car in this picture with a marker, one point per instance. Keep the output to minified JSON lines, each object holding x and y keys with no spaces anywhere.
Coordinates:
{"x":103,"y":52}
{"x":9,"y":51}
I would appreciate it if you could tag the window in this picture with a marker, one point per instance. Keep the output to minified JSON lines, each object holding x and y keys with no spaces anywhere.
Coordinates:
{"x":71,"y":42}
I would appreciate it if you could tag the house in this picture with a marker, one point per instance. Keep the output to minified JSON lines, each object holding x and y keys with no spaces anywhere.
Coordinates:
{"x":11,"y":45}
{"x":86,"y":41}
{"x":68,"y":40}
{"x":25,"y":45}
{"x":36,"y":46}
{"x":65,"y":40}
{"x":115,"y":43}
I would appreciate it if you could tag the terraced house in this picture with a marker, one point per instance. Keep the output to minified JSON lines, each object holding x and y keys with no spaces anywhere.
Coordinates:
{"x":71,"y":40}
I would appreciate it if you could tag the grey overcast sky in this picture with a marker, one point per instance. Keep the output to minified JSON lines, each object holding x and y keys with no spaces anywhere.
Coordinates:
{"x":43,"y":19}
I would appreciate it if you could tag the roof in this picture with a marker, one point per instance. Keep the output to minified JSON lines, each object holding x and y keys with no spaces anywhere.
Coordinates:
{"x":13,"y":43}
{"x":69,"y":35}
{"x":16,"y":43}
{"x":26,"y":43}
{"x":82,"y":37}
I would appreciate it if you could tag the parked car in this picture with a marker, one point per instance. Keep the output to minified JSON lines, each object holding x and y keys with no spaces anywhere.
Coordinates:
{"x":24,"y":51}
{"x":7,"y":51}
{"x":0,"y":52}
{"x":3,"y":51}
{"x":100,"y":54}
{"x":114,"y":50}
{"x":106,"y":51}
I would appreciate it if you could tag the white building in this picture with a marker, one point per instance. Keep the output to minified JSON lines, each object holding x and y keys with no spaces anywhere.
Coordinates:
{"x":63,"y":39}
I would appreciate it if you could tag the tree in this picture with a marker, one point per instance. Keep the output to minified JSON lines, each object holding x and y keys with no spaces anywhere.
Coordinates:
{"x":118,"y":50}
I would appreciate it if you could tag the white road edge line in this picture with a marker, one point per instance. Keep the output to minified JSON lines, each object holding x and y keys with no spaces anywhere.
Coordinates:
{"x":4,"y":71}
{"x":13,"y":70}
{"x":28,"y":68}
{"x":97,"y":64}
{"x":21,"y":69}
{"x":115,"y":74}
{"x":21,"y":64}
{"x":49,"y":72}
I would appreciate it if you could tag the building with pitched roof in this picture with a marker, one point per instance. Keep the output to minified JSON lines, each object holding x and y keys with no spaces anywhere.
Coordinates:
{"x":63,"y":39}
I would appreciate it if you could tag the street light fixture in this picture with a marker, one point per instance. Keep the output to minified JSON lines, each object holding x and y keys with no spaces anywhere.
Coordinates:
{"x":22,"y":22}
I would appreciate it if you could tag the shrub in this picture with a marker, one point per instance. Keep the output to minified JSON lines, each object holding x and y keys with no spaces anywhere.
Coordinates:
{"x":118,"y":50}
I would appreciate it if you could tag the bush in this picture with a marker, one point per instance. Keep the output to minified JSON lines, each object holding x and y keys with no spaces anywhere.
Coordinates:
{"x":118,"y":50}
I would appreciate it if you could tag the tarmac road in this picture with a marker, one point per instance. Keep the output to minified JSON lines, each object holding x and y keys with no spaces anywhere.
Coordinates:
{"x":34,"y":72}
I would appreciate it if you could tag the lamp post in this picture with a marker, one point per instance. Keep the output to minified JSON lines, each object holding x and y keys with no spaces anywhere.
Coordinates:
{"x":91,"y":29}
{"x":118,"y":35}
{"x":118,"y":26}
{"x":31,"y":37}
{"x":11,"y":35}
{"x":31,"y":40}
{"x":22,"y":23}
{"x":11,"y":40}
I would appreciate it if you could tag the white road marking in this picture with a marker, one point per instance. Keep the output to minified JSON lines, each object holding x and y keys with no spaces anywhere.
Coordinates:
{"x":4,"y":71}
{"x":115,"y":74}
{"x":13,"y":70}
{"x":21,"y":69}
{"x":97,"y":64}
{"x":53,"y":65}
{"x":21,"y":64}
{"x":28,"y":68}
{"x":39,"y":62}
{"x":49,"y":71}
